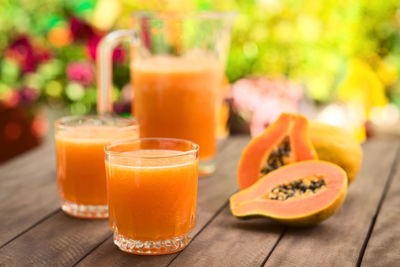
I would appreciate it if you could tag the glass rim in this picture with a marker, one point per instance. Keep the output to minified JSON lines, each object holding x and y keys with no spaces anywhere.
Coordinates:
{"x":107,"y":149}
{"x":61,"y":123}
{"x":210,"y":15}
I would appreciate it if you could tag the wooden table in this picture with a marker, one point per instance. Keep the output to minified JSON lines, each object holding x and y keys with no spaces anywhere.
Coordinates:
{"x":365,"y":231}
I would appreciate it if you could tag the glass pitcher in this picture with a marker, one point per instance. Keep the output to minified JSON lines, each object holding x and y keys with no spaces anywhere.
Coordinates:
{"x":177,"y":70}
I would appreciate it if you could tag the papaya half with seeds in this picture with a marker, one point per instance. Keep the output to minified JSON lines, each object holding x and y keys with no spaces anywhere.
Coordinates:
{"x":336,"y":145}
{"x":285,"y":141}
{"x":300,"y":194}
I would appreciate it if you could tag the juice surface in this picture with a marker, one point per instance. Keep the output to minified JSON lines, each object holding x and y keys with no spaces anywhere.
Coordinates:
{"x":152,"y":198}
{"x":176,"y":97}
{"x":80,"y":162}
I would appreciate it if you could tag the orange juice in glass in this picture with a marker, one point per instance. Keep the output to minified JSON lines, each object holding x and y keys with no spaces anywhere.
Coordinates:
{"x":152,"y":193}
{"x":80,"y":143}
{"x":177,"y":68}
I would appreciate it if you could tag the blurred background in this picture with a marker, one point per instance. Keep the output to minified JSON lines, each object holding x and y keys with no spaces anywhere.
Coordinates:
{"x":334,"y":61}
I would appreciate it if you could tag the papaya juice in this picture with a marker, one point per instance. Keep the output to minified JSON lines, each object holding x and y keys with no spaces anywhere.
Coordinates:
{"x":152,"y":193}
{"x":153,"y":201}
{"x":80,"y":165}
{"x":176,"y":97}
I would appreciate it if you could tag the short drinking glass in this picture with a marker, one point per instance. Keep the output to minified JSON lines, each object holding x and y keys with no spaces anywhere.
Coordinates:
{"x":152,"y":193}
{"x":80,"y":142}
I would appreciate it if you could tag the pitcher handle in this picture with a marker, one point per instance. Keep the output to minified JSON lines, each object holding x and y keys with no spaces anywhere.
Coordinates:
{"x":104,"y":67}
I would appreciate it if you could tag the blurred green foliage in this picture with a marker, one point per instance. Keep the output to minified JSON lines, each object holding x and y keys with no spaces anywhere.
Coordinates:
{"x":312,"y":42}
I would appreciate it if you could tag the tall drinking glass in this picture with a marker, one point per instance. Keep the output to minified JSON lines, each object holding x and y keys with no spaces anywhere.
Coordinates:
{"x":177,"y":68}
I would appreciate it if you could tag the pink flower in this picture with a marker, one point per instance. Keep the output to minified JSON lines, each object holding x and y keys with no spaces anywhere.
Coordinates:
{"x":21,"y":50}
{"x":124,"y":105}
{"x":83,"y":31}
{"x":79,"y":29}
{"x":92,"y":44}
{"x":81,"y":72}
{"x":119,"y":54}
{"x":27,"y":96}
{"x":121,"y":107}
{"x":260,"y":100}
{"x":42,"y":54}
{"x":27,"y":56}
{"x":127,"y":93}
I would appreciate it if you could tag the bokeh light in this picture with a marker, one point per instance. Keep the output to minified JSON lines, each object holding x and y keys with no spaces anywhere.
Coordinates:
{"x":344,"y":55}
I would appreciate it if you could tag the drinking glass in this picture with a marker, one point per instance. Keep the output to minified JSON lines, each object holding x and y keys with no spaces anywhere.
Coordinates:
{"x":81,"y":176}
{"x":152,"y":193}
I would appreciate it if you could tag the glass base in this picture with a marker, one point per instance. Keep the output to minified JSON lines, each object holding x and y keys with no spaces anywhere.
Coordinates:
{"x":207,"y":167}
{"x":84,"y":211}
{"x":157,"y":247}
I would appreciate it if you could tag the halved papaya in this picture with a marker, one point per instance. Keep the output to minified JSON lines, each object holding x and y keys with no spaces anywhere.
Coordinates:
{"x":283,"y":142}
{"x":300,"y":194}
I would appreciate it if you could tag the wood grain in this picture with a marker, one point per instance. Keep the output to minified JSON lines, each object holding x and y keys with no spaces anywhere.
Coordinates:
{"x":34,"y":232}
{"x":383,"y":248}
{"x":212,"y":195}
{"x":60,"y":240}
{"x":338,"y":241}
{"x":228,"y":241}
{"x":27,"y":191}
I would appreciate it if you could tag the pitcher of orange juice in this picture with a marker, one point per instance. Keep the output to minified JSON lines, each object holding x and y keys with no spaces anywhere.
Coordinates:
{"x":177,"y":69}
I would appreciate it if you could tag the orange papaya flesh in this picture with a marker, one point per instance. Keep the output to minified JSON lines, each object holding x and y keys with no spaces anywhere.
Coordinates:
{"x":283,"y":142}
{"x":319,"y":190}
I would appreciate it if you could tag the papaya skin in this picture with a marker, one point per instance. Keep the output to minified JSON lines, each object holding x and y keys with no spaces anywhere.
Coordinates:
{"x":308,"y":220}
{"x":256,"y":153}
{"x":336,"y":145}
{"x":305,"y":219}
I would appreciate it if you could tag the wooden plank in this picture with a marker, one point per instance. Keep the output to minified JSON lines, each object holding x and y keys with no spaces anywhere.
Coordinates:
{"x":383,"y":248}
{"x":27,"y":191}
{"x":59,"y":241}
{"x":338,"y":241}
{"x":29,"y":158}
{"x":228,"y":241}
{"x":212,"y":195}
